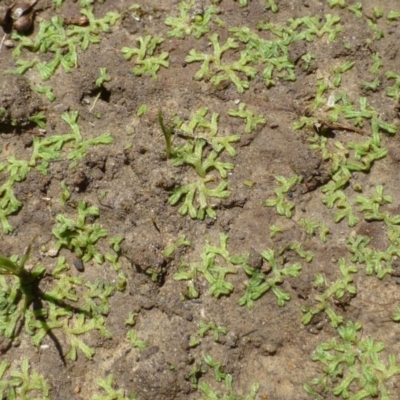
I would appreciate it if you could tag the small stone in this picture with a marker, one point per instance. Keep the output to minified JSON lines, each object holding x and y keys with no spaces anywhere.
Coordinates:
{"x":9,"y":44}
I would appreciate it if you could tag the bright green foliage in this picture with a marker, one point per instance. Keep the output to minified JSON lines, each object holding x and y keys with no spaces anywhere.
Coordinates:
{"x":330,"y":293}
{"x":211,"y":394}
{"x":111,"y":393}
{"x":251,"y":120}
{"x":17,"y":296}
{"x":79,"y":236}
{"x":170,"y":250}
{"x":379,"y":262}
{"x":191,"y":23}
{"x":79,"y":326}
{"x":61,"y":41}
{"x":393,"y":91}
{"x":45,"y":150}
{"x":271,"y":5}
{"x":312,"y":226}
{"x":211,"y":326}
{"x":47,"y":91}
{"x":356,"y":9}
{"x":337,"y":3}
{"x":103,"y":77}
{"x":217,"y":71}
{"x":145,"y":60}
{"x":132,"y":337}
{"x":199,"y":134}
{"x":39,"y":119}
{"x":393,"y":15}
{"x":339,"y":71}
{"x":373,"y":86}
{"x":271,"y":55}
{"x":21,"y":383}
{"x":283,"y":206}
{"x":259,"y":282}
{"x":352,"y":368}
{"x":211,"y":269}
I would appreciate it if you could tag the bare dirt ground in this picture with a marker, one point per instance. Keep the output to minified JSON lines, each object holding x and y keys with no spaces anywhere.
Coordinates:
{"x":131,"y":180}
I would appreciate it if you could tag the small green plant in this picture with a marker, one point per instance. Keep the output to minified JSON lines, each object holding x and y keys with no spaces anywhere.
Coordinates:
{"x":108,"y":386}
{"x":220,"y":376}
{"x":191,"y":22}
{"x":352,"y":367}
{"x":339,"y":71}
{"x":204,"y":329}
{"x":260,"y":282}
{"x":22,"y":383}
{"x":47,"y":91}
{"x":103,"y":77}
{"x":212,"y":270}
{"x":216,"y":71}
{"x":60,"y":42}
{"x":145,"y":60}
{"x":79,"y":236}
{"x":201,"y":149}
{"x":330,"y":292}
{"x":252,"y":121}
{"x":135,"y":342}
{"x":283,"y":206}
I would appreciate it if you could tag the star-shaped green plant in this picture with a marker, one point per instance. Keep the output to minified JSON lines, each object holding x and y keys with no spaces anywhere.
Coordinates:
{"x":145,"y":60}
{"x":217,"y":71}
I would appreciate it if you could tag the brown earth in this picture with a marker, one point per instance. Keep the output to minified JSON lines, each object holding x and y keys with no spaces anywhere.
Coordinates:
{"x":267,"y":344}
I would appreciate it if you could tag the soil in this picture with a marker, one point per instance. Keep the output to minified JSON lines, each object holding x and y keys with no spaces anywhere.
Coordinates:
{"x":131,"y":180}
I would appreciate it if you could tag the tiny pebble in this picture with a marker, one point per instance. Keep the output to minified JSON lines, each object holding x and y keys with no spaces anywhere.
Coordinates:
{"x":9,"y":44}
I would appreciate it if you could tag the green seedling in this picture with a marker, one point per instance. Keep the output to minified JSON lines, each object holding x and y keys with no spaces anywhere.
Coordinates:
{"x":79,"y":236}
{"x":331,"y":292}
{"x":39,"y":119}
{"x":200,"y":149}
{"x":352,"y":367}
{"x":211,"y":269}
{"x":142,"y":110}
{"x":103,"y":77}
{"x":51,"y":309}
{"x":218,"y":72}
{"x":356,"y":9}
{"x":337,"y":3}
{"x":60,"y":42}
{"x":47,"y":91}
{"x":259,"y":282}
{"x":271,"y":5}
{"x":393,"y":15}
{"x":393,"y":91}
{"x":108,"y":386}
{"x":135,"y":342}
{"x":220,"y":376}
{"x":22,"y":383}
{"x":283,"y":206}
{"x":182,"y":241}
{"x":65,"y":194}
{"x":372,"y":86}
{"x":378,"y":32}
{"x":216,"y":330}
{"x":274,"y":230}
{"x":242,"y":3}
{"x":191,"y":23}
{"x":375,"y":261}
{"x":377,"y":63}
{"x":252,"y":121}
{"x":312,"y":226}
{"x":339,"y":71}
{"x":145,"y":60}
